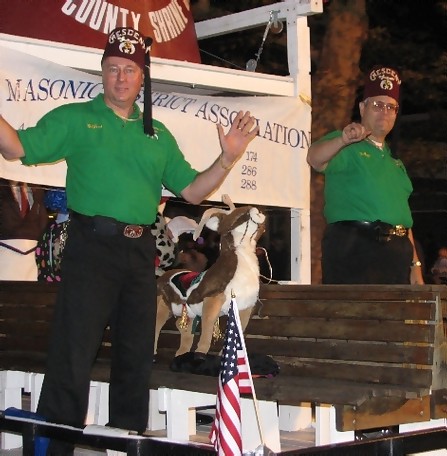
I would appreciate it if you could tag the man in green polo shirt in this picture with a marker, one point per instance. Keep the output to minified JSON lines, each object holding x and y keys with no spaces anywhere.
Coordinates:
{"x":117,"y":160}
{"x":368,"y":238}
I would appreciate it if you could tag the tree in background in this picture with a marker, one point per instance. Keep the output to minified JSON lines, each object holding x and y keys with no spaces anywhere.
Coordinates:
{"x":334,"y":88}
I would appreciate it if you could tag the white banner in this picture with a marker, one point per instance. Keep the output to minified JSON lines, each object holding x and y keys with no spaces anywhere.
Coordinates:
{"x":272,"y":172}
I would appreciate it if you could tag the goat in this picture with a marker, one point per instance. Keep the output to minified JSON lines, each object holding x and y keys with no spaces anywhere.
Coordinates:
{"x":235,"y":271}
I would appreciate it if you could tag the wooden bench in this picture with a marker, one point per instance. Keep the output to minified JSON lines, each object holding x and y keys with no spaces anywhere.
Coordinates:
{"x":371,"y":356}
{"x":377,"y":353}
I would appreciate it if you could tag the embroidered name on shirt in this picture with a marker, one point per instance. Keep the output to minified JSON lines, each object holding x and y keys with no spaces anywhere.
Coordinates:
{"x":89,"y":125}
{"x":365,"y":154}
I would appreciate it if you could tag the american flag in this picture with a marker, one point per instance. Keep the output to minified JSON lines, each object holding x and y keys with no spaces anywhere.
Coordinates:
{"x":234,"y":379}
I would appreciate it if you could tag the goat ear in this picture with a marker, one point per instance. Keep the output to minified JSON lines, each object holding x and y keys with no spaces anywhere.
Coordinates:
{"x":213,"y":222}
{"x":205,"y":217}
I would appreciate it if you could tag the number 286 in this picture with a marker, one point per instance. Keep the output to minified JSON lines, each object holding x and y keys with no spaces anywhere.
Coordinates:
{"x":249,"y":170}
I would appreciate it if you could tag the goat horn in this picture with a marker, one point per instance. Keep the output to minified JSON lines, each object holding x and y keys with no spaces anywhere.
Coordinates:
{"x":227,"y":200}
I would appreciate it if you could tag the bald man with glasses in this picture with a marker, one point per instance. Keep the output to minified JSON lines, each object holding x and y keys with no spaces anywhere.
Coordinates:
{"x":368,"y":239}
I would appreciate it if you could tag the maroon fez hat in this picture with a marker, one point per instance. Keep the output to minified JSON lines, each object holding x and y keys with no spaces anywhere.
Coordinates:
{"x":126,"y":42}
{"x":382,"y":80}
{"x":130,"y":44}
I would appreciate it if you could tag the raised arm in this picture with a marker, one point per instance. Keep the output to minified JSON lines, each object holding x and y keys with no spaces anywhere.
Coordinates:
{"x":320,"y":153}
{"x":233,"y":145}
{"x":10,"y":145}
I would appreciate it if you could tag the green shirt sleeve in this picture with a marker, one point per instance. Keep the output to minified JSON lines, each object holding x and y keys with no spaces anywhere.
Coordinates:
{"x":49,"y":141}
{"x":338,"y":162}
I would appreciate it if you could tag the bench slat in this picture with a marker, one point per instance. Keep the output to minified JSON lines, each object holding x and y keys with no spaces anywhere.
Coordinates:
{"x":332,"y":308}
{"x":403,"y":376}
{"x":352,"y":292}
{"x":342,"y":329}
{"x":346,"y":350}
{"x":29,"y":313}
{"x":371,"y":414}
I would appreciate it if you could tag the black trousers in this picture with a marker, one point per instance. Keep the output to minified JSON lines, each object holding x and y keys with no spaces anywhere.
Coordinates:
{"x":351,"y":255}
{"x":106,"y":280}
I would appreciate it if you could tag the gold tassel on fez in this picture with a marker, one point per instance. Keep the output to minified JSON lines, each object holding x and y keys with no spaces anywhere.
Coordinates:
{"x":184,"y":319}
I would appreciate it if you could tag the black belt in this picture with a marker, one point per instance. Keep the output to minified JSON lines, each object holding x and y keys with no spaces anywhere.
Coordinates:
{"x":381,"y":230}
{"x":108,"y":226}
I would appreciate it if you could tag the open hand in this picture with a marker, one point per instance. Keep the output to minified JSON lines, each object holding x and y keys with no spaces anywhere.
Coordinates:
{"x":242,"y":131}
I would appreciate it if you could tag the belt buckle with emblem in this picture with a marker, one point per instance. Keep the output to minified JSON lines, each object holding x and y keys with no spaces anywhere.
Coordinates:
{"x":133,"y":231}
{"x":400,"y":230}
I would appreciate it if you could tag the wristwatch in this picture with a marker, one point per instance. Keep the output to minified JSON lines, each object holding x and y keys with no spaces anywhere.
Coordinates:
{"x":416,"y":263}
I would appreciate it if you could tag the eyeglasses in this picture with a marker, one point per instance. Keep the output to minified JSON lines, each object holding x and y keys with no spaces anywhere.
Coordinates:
{"x":379,"y":106}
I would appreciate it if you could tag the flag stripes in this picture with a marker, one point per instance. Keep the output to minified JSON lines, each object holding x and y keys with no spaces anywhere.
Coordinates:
{"x":234,"y":379}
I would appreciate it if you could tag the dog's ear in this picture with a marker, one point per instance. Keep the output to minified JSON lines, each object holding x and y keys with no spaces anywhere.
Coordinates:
{"x":209,"y":366}
{"x":263,"y":365}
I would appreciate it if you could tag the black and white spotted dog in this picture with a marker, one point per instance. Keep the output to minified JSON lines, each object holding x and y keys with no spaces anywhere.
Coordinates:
{"x":166,"y":254}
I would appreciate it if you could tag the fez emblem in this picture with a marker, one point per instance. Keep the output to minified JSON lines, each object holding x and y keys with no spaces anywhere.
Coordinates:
{"x":127,"y":47}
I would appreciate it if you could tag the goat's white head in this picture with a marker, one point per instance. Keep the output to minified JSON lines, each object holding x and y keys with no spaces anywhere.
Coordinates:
{"x":243,"y":224}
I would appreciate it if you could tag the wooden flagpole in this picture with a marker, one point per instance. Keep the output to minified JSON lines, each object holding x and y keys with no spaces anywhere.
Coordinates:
{"x":241,"y":333}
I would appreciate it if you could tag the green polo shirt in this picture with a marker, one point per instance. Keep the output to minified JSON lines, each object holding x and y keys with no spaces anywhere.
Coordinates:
{"x":364,"y":183}
{"x":113,"y":168}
